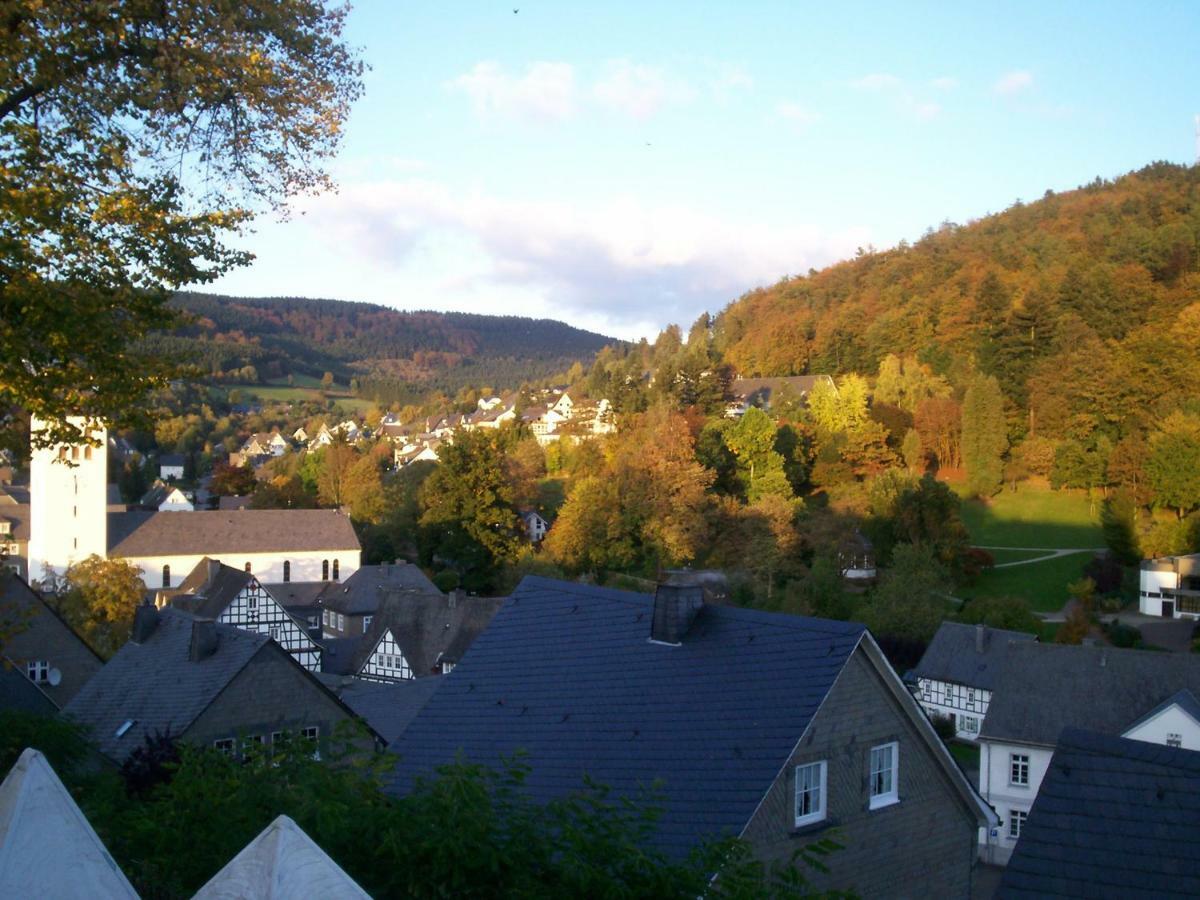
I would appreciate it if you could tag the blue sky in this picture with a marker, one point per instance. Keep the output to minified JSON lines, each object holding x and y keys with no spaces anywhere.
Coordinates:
{"x":621,"y":166}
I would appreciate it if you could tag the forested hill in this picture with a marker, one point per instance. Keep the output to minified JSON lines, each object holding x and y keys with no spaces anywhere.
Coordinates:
{"x":292,"y":335}
{"x":1085,"y":305}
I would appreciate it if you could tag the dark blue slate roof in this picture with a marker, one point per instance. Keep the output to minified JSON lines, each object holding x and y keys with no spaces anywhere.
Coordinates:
{"x":1113,"y":818}
{"x":567,"y":673}
{"x":1184,"y":699}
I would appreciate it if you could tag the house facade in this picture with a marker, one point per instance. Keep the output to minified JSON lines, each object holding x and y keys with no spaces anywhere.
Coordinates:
{"x":770,"y":727}
{"x":1044,"y":688}
{"x":1170,"y":587}
{"x":959,"y":671}
{"x":235,"y":597}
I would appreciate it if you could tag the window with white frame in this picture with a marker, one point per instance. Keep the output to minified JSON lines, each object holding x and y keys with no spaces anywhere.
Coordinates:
{"x":366,"y":623}
{"x":1018,"y":768}
{"x":1174,"y":740}
{"x":312,"y":733}
{"x":810,"y":793}
{"x":970,"y":724}
{"x":884,"y":775}
{"x":1016,"y":821}
{"x":38,"y":671}
{"x":225,"y":745}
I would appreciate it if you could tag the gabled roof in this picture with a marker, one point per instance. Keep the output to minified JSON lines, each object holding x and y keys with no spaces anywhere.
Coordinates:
{"x":1045,"y":688}
{"x":953,"y":654}
{"x":209,"y":588}
{"x":388,"y":708}
{"x":1113,"y":818}
{"x":299,"y":594}
{"x":282,"y":863}
{"x":1184,"y":699}
{"x":171,"y":459}
{"x":156,"y":686}
{"x":427,"y":627}
{"x":217,"y":532}
{"x":47,"y":846}
{"x":366,"y":588}
{"x":762,"y":390}
{"x":567,"y":673}
{"x":17,"y":692}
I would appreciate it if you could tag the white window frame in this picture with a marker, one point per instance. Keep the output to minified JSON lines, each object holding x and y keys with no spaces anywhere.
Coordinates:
{"x":970,"y":724}
{"x":883,"y":783}
{"x":1174,"y":739}
{"x":366,"y":623}
{"x":1016,"y":821}
{"x":810,"y":778}
{"x":1018,"y":769}
{"x":38,"y":671}
{"x":224,"y":745}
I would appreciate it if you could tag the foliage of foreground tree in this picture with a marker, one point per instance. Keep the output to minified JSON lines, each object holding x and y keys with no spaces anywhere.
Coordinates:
{"x":98,"y":597}
{"x":133,"y":137}
{"x":181,"y":813}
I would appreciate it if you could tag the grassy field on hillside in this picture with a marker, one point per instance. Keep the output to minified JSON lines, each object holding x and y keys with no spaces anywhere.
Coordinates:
{"x":1033,"y":516}
{"x":283,"y":393}
{"x":1011,"y":556}
{"x":1043,"y":584}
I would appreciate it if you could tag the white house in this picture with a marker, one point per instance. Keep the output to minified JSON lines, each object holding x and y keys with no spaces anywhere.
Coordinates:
{"x":213,"y":590}
{"x":1044,"y":688}
{"x":170,"y":466}
{"x":959,"y":671}
{"x":166,"y":498}
{"x":535,"y":526}
{"x":1170,"y":587}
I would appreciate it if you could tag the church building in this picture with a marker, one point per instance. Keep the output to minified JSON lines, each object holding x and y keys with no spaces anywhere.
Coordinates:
{"x":70,"y":520}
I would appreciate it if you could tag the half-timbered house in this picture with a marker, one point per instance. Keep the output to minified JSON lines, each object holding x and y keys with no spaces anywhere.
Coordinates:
{"x":234,"y":597}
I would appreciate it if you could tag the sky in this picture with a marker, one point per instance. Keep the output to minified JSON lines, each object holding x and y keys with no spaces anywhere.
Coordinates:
{"x":622,"y":166}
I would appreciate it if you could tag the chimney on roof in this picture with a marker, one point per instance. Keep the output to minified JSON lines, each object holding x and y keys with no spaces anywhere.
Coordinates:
{"x":676,"y":603}
{"x":980,"y":635}
{"x":211,"y":568}
{"x":387,"y":569}
{"x":145,"y":620}
{"x":204,"y":639}
{"x":453,"y":598}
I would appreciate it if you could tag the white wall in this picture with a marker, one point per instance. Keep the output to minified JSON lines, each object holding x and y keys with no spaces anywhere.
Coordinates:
{"x":994,"y":769}
{"x":68,"y":504}
{"x":933,"y":695}
{"x":1151,"y":582}
{"x":266,"y":567}
{"x":1171,"y":720}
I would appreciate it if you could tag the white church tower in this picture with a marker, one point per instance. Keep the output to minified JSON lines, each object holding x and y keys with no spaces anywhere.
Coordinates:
{"x":68,"y":503}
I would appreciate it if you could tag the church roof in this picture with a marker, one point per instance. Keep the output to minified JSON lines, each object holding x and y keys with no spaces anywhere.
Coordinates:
{"x":216,"y":532}
{"x":41,"y":828}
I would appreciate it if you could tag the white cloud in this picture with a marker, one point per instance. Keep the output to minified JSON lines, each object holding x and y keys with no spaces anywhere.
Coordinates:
{"x":1013,"y":83}
{"x":728,"y":80}
{"x":798,"y":115}
{"x":639,"y":91}
{"x":546,"y":91}
{"x":904,"y":99}
{"x":622,"y":263}
{"x":945,"y":83}
{"x":880,"y":81}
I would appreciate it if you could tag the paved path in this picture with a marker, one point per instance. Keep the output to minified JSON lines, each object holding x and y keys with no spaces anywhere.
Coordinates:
{"x":1051,"y":553}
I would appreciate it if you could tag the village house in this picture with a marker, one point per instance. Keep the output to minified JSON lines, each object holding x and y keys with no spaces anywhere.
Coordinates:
{"x":349,"y":607}
{"x":206,"y":683}
{"x":235,"y":597}
{"x":42,"y":647}
{"x":762,"y":392}
{"x":170,"y":466}
{"x":1170,"y":587}
{"x":14,"y":529}
{"x":1045,"y":688}
{"x":767,"y":726}
{"x":166,"y":498}
{"x":265,"y":444}
{"x":960,"y":669}
{"x":536,"y":525}
{"x":1113,"y":818}
{"x":411,"y":634}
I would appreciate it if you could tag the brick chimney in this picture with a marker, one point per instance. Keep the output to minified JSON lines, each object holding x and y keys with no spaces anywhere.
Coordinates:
{"x":980,"y":636}
{"x":675,"y":607}
{"x":204,"y":639}
{"x":145,"y":620}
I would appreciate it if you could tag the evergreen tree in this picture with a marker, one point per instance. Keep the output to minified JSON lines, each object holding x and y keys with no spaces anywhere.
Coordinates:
{"x":984,"y":436}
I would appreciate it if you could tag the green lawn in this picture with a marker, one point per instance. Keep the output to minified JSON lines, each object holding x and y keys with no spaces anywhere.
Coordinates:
{"x":1033,"y":516}
{"x":1011,"y":556}
{"x":1043,"y":584}
{"x":967,"y":756}
{"x":282,"y":393}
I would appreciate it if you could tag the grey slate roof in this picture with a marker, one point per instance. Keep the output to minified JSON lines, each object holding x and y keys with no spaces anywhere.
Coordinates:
{"x":298,"y":595}
{"x":156,"y":685}
{"x":207,"y":532}
{"x":761,"y":391}
{"x":1113,"y":818}
{"x":428,"y":627}
{"x":18,"y":693}
{"x":1184,"y":699}
{"x":953,"y":656}
{"x":341,"y":656}
{"x":209,"y":588}
{"x":361,"y":593}
{"x":567,"y":673}
{"x":1048,"y":687}
{"x":388,"y":708}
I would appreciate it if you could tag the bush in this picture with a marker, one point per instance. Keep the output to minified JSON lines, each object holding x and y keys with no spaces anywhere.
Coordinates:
{"x":446,"y":580}
{"x":1121,"y":635}
{"x":944,"y":726}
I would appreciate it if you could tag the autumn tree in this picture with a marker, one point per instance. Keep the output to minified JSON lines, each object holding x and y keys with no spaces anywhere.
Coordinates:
{"x":335,"y":462}
{"x":232,"y":481}
{"x":759,"y":465}
{"x":98,"y":597}
{"x":938,"y":421}
{"x":133,"y":138}
{"x":984,"y":436}
{"x":1173,"y":464}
